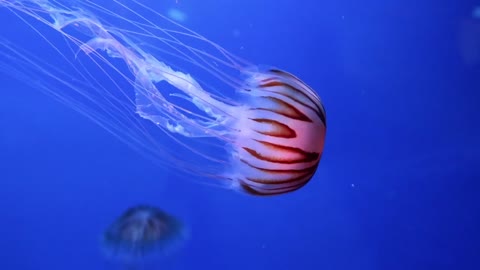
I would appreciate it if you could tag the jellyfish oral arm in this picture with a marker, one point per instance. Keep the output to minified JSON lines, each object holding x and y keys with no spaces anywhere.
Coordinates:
{"x":148,"y":71}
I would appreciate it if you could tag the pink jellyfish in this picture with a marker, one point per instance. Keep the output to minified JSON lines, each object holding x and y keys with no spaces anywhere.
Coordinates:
{"x":261,"y":133}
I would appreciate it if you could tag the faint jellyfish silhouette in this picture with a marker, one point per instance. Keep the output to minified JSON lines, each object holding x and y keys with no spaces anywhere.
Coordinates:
{"x":141,"y":234}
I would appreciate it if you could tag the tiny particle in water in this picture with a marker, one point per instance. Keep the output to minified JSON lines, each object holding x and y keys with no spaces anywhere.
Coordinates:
{"x":177,"y":15}
{"x":236,"y":33}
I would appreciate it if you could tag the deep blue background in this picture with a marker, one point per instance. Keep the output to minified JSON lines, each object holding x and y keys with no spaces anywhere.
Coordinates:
{"x":397,"y":187}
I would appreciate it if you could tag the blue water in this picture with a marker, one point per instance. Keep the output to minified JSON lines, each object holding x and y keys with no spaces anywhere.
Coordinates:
{"x":397,"y":187}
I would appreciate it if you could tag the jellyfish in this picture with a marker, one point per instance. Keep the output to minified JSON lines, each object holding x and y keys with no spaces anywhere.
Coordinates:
{"x":141,"y":234}
{"x":255,"y":129}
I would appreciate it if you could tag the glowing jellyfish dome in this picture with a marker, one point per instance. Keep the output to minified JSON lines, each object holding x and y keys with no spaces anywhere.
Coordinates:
{"x":142,"y":232}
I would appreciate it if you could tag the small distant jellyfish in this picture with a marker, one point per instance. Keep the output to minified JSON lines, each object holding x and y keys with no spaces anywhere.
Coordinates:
{"x":141,"y":233}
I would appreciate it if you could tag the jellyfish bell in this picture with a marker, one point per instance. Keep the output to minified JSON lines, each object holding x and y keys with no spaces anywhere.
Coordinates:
{"x":257,"y":130}
{"x":142,"y":234}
